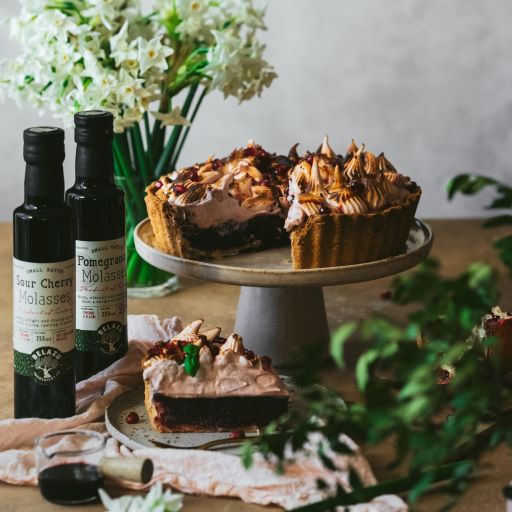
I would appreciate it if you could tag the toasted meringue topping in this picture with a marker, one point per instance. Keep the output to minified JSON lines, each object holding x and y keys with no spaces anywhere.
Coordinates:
{"x":384,"y":164}
{"x":233,"y":344}
{"x":352,"y":149}
{"x":318,"y":183}
{"x":253,"y":182}
{"x":370,"y":163}
{"x":225,"y":367}
{"x":354,"y":167}
{"x":216,"y":191}
{"x":375,"y":195}
{"x":326,"y":149}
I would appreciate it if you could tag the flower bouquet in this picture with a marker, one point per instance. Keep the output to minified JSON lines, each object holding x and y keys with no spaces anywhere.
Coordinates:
{"x":152,"y":70}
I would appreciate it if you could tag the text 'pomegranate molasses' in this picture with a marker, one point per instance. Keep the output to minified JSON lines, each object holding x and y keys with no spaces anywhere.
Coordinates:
{"x":101,"y":336}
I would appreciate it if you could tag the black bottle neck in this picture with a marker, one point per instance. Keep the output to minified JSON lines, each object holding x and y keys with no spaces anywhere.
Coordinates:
{"x":44,"y":185}
{"x":94,"y":163}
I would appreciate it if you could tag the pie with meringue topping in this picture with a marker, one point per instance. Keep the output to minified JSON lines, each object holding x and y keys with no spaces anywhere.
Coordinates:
{"x":348,"y":210}
{"x":336,"y":210}
{"x":201,"y":382}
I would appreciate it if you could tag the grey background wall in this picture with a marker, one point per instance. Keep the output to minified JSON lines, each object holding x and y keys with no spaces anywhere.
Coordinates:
{"x":428,"y":81}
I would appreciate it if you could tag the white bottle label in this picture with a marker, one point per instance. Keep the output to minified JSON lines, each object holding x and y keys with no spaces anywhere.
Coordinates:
{"x":44,"y":318}
{"x":101,"y":296}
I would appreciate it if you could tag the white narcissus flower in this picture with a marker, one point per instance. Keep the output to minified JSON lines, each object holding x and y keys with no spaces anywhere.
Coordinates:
{"x":120,"y":49}
{"x":155,"y":501}
{"x":153,"y":54}
{"x":249,"y":13}
{"x":127,"y":89}
{"x":107,"y":54}
{"x":236,"y":65}
{"x":171,"y":118}
{"x":198,"y":19}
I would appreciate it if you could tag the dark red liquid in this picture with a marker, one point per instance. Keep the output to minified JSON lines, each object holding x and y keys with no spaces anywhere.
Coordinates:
{"x":69,"y":484}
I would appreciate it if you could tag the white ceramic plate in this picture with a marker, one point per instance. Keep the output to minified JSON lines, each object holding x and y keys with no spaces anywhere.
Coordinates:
{"x":141,"y":434}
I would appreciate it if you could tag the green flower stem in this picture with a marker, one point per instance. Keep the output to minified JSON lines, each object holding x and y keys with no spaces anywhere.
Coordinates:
{"x":400,"y":485}
{"x":159,"y":132}
{"x":179,"y":148}
{"x":149,"y":142}
{"x":135,"y":195}
{"x":121,"y":173}
{"x":125,"y":147}
{"x":132,"y":268}
{"x":138,"y":151}
{"x":164,"y":161}
{"x":145,"y":274}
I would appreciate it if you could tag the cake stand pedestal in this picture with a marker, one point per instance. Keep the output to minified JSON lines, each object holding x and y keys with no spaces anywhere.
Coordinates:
{"x":282,"y":310}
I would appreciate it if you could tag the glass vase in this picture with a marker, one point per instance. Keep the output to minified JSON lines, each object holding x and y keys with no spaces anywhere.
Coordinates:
{"x":142,"y":279}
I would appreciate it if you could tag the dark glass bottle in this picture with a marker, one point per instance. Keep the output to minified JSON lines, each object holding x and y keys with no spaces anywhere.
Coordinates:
{"x":43,"y":284}
{"x":101,"y":336}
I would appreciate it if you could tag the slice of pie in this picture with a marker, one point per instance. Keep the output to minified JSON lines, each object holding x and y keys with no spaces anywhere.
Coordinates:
{"x":222,"y":206}
{"x":201,"y":382}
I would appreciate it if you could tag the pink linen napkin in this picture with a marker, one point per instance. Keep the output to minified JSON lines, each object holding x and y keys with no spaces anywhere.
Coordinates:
{"x":190,"y":471}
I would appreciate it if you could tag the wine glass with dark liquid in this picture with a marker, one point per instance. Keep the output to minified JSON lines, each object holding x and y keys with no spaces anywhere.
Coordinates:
{"x":67,"y":466}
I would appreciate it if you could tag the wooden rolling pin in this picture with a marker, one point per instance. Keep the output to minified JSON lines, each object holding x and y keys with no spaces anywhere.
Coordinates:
{"x":135,"y":469}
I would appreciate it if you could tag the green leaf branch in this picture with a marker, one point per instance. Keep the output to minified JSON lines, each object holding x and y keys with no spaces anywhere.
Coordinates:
{"x":469,"y":184}
{"x":439,"y":431}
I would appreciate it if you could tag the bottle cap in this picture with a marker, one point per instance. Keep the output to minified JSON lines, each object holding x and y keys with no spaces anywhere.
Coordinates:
{"x":94,"y":127}
{"x":43,"y":145}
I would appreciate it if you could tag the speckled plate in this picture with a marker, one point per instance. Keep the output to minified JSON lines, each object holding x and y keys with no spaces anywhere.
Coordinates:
{"x":141,"y":434}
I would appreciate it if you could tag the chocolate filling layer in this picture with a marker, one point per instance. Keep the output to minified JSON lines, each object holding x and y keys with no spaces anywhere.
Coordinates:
{"x":223,"y":412}
{"x":261,"y":232}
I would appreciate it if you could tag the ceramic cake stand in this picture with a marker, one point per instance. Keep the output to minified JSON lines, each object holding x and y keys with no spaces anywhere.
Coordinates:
{"x":280,"y":309}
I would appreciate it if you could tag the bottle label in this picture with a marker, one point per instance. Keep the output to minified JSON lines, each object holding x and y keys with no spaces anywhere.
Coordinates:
{"x":44,"y":319}
{"x":101,"y":296}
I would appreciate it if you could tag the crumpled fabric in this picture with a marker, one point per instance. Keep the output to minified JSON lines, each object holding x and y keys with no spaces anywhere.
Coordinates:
{"x":210,"y":473}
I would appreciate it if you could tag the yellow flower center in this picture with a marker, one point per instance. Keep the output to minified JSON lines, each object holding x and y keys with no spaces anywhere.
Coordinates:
{"x":151,"y":54}
{"x":195,"y":6}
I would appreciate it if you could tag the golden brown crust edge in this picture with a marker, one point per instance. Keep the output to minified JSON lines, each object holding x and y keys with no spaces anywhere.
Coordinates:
{"x":167,"y":233}
{"x":336,"y":239}
{"x":150,"y":408}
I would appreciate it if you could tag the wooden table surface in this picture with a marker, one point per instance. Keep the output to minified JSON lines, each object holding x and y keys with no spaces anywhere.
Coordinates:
{"x":457,"y":242}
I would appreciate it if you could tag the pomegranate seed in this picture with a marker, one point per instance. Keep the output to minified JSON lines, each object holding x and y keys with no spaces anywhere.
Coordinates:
{"x":443,"y":376}
{"x":194,"y":176}
{"x":132,"y":418}
{"x":357,"y":187}
{"x":178,"y":188}
{"x":249,"y":354}
{"x":266,"y":363}
{"x":158,"y":185}
{"x":237,"y":434}
{"x":323,"y":210}
{"x":220,"y":340}
{"x":386,"y":295}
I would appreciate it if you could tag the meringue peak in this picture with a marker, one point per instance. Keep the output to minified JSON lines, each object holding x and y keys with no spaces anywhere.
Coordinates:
{"x":233,"y":344}
{"x":326,"y":149}
{"x":189,"y":330}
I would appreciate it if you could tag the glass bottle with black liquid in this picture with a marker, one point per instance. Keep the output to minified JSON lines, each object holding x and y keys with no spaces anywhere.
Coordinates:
{"x":101,"y":335}
{"x":43,"y":283}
